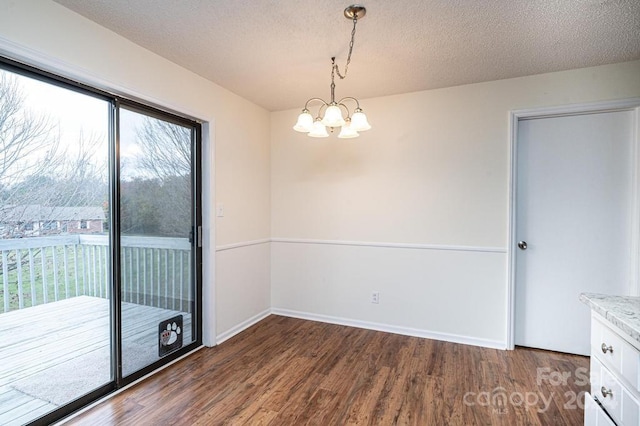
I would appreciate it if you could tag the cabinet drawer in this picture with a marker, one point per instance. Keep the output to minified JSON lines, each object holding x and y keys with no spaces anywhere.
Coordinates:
{"x":616,"y":353}
{"x":606,"y":389}
{"x":594,"y":415}
{"x":611,"y":394}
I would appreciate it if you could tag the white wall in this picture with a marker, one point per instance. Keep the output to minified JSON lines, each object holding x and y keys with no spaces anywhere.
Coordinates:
{"x":244,"y":303}
{"x":46,"y":34}
{"x":428,"y":185}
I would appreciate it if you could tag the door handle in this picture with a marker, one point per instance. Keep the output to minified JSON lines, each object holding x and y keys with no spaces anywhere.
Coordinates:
{"x":606,"y":392}
{"x":522,"y":245}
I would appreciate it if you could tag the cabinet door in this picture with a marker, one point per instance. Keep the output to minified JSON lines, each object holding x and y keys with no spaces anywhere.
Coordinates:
{"x":590,"y":411}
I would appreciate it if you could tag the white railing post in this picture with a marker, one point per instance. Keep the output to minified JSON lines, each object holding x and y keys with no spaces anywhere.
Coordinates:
{"x":173,"y":280}
{"x":45,"y":288}
{"x":32,"y":275}
{"x":181,"y":278}
{"x":54,"y":251}
{"x":19,"y":270}
{"x":144,"y":277}
{"x":66,"y":272}
{"x":106,"y":271}
{"x":138,"y":275}
{"x":75,"y":266}
{"x":5,"y":280}
{"x":86,"y":284}
{"x":129,"y":251}
{"x":159,"y":277}
{"x":95,"y":272}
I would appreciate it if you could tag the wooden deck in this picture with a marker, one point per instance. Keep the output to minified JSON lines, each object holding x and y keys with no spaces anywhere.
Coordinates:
{"x":54,"y":353}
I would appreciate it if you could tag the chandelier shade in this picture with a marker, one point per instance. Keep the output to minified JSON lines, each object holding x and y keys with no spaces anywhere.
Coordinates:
{"x":333,"y":117}
{"x":330,"y":114}
{"x":359,"y":121}
{"x":318,"y":130}
{"x":347,"y":131}
{"x":304,"y":123}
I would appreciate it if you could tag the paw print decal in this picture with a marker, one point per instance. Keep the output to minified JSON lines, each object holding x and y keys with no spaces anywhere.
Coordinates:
{"x":170,"y":335}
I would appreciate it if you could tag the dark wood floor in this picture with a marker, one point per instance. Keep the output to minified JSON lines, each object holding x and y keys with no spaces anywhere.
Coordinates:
{"x":286,"y":371}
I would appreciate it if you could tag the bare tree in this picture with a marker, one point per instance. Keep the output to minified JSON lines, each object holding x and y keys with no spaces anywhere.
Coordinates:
{"x":72,"y":179}
{"x":165,"y":161}
{"x":27,"y":142}
{"x":81,"y":178}
{"x":166,"y":148}
{"x":35,"y":168}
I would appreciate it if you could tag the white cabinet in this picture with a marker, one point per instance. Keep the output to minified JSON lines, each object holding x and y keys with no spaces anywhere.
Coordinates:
{"x":615,"y":384}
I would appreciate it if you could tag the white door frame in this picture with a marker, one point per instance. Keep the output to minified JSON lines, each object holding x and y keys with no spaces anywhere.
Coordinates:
{"x":632,"y":104}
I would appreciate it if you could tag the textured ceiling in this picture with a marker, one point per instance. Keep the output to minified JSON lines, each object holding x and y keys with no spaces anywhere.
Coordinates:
{"x":277,"y":53}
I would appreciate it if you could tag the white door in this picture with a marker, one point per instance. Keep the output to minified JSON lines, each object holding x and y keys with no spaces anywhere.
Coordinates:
{"x":573,"y":210}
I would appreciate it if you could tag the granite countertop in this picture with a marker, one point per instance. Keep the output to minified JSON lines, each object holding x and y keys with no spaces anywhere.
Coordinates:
{"x":621,"y":311}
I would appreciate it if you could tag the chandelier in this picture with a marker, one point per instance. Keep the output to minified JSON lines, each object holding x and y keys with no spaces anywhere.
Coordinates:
{"x":329,"y":114}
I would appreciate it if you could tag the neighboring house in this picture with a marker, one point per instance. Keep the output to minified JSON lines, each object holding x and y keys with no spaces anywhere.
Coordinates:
{"x":33,"y":220}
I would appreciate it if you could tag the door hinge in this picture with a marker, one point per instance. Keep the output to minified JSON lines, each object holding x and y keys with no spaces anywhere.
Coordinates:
{"x":199,"y":236}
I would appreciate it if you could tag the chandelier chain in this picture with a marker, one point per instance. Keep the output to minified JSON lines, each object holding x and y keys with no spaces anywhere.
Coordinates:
{"x":346,"y":67}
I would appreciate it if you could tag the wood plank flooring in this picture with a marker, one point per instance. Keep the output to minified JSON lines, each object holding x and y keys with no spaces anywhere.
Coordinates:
{"x":285,"y":371}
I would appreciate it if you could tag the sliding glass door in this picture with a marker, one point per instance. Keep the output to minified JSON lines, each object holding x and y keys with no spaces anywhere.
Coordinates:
{"x":99,"y":255}
{"x":56,"y":297}
{"x":157,"y":224}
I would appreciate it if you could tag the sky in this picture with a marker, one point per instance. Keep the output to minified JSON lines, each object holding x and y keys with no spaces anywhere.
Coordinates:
{"x":72,"y":111}
{"x":77,"y":114}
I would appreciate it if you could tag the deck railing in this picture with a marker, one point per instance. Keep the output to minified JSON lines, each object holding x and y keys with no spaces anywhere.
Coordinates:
{"x":155,"y":271}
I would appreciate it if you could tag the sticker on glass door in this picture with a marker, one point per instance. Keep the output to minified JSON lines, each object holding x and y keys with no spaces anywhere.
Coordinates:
{"x":170,"y":335}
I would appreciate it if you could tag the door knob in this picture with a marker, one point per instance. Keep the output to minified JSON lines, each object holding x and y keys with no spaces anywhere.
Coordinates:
{"x":606,"y":392}
{"x":522,"y":245}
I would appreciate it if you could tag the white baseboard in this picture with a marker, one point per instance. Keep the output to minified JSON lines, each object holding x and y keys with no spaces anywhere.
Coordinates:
{"x":426,"y":334}
{"x":242,"y":326}
{"x":406,"y":331}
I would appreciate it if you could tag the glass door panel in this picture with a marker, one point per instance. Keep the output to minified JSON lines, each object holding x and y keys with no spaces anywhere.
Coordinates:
{"x":156,"y":238}
{"x":55,"y":287}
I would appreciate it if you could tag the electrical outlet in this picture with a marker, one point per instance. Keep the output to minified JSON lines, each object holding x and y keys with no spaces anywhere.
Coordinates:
{"x":375,"y":297}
